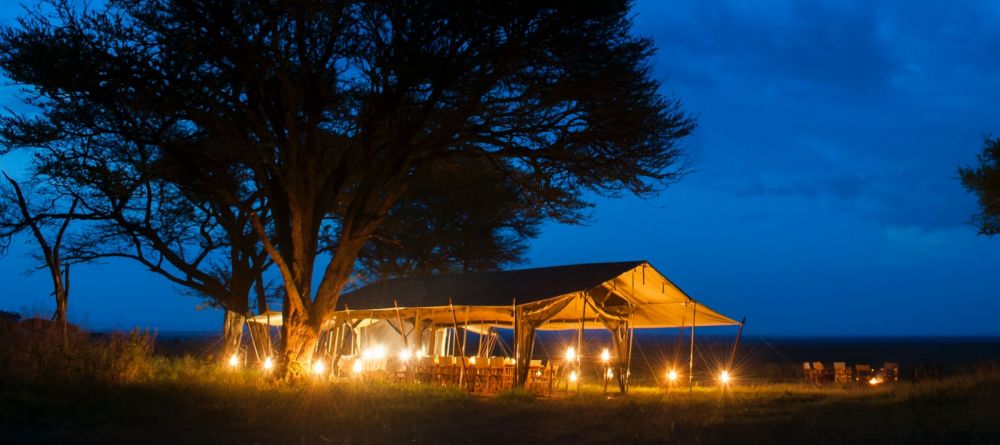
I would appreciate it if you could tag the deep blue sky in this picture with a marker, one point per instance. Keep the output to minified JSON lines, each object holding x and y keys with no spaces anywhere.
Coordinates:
{"x":825,"y":200}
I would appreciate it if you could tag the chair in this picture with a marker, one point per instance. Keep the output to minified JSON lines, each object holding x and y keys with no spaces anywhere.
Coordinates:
{"x":862,"y":373}
{"x":890,"y":372}
{"x":841,"y":373}
{"x":808,"y":375}
{"x":821,"y":372}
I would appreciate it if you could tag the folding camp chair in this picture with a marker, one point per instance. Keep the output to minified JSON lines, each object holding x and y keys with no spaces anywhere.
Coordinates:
{"x":841,"y":373}
{"x":890,"y":372}
{"x":862,"y":373}
{"x":821,"y":372}
{"x":808,"y":375}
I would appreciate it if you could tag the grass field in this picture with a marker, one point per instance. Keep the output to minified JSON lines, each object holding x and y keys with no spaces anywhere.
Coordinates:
{"x":72,"y":387}
{"x":187,"y":401}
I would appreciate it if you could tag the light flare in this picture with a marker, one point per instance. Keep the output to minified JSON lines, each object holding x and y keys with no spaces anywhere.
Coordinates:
{"x":570,"y":354}
{"x":234,"y":360}
{"x":605,"y":355}
{"x":268,"y":364}
{"x":318,"y":367}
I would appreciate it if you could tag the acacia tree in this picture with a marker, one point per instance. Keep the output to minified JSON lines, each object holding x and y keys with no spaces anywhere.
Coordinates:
{"x":205,"y":246}
{"x":983,"y":179}
{"x":332,"y":108}
{"x":48,"y":222}
{"x":464,"y":216}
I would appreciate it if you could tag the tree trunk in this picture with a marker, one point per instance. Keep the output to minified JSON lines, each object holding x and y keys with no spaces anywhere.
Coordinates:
{"x":299,"y":342}
{"x":232,"y":333}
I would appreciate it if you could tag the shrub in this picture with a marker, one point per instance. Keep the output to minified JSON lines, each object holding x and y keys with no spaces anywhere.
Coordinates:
{"x":37,"y":351}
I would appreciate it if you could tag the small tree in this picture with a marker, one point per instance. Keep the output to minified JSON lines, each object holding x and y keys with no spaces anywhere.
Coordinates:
{"x":983,"y":179}
{"x":47,"y":217}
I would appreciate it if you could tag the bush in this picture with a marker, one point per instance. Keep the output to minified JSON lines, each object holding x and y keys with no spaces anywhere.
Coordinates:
{"x":37,"y":351}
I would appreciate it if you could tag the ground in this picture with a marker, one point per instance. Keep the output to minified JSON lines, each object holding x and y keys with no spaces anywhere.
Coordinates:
{"x":191,"y":403}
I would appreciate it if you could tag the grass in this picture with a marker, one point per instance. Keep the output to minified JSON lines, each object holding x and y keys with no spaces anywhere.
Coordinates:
{"x":188,"y":400}
{"x":192,"y":402}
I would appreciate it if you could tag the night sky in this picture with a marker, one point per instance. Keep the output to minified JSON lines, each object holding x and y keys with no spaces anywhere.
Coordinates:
{"x":824,"y":201}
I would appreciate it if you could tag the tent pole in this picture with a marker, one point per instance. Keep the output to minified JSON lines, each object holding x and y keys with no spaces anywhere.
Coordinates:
{"x":631,"y":338}
{"x":694,"y":321}
{"x":732,"y":355}
{"x":579,"y":341}
{"x":399,"y":319}
{"x":454,"y":319}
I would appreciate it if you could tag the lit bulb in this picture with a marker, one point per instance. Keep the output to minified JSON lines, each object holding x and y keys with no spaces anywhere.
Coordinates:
{"x":318,"y":367}
{"x":724,"y":377}
{"x":570,"y":354}
{"x":572,"y":377}
{"x":672,"y":375}
{"x":358,"y":366}
{"x":268,"y":364}
{"x":234,"y":360}
{"x":472,"y":360}
{"x":873,"y":381}
{"x":605,"y":355}
{"x":405,"y":355}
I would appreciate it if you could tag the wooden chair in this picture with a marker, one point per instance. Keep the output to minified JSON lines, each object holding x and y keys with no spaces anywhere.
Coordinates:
{"x":821,"y":372}
{"x":841,"y":373}
{"x":862,"y":373}
{"x":890,"y":372}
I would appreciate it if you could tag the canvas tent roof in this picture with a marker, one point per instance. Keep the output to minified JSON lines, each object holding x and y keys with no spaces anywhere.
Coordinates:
{"x":550,"y":297}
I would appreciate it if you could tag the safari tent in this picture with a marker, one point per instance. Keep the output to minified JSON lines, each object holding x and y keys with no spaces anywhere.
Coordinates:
{"x":427,"y":313}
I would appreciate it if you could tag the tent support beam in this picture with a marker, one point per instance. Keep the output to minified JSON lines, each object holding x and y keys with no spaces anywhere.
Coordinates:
{"x":694,"y":321}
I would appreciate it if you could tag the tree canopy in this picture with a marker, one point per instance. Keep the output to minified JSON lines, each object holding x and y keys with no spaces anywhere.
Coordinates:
{"x":332,"y":110}
{"x":983,"y":179}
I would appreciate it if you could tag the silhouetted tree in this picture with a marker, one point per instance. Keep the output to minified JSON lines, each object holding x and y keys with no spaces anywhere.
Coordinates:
{"x":47,"y":218}
{"x":332,"y":108}
{"x":983,"y":179}
{"x":464,"y":216}
{"x":139,"y":213}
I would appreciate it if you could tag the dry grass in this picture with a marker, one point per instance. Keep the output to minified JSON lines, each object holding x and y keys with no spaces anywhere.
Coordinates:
{"x":189,"y":400}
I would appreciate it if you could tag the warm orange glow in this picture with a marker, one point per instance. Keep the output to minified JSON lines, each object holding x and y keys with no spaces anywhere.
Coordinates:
{"x":358,"y":366}
{"x":234,"y":360}
{"x":572,"y":377}
{"x":724,"y":377}
{"x":268,"y":364}
{"x":472,"y":360}
{"x":672,"y":375}
{"x":421,"y":354}
{"x":605,"y":355}
{"x":318,"y":367}
{"x":874,"y":381}
{"x":376,"y":352}
{"x":404,"y":355}
{"x":570,"y":354}
{"x":610,"y":374}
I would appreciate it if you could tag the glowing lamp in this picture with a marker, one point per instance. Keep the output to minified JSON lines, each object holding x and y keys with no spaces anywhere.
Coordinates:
{"x":405,"y":355}
{"x":318,"y":367}
{"x":472,"y":360}
{"x":874,"y":381}
{"x":268,"y":364}
{"x":572,"y":377}
{"x":724,"y":377}
{"x":672,"y":375}
{"x":605,"y":355}
{"x":570,"y":354}
{"x":234,"y":360}
{"x":358,"y":366}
